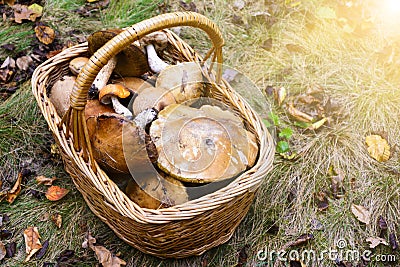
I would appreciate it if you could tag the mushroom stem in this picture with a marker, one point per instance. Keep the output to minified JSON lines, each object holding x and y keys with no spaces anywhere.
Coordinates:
{"x":156,"y":64}
{"x":145,"y":117}
{"x":120,"y":109}
{"x":104,"y":75}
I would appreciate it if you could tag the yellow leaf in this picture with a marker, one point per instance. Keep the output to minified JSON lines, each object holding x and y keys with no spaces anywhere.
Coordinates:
{"x":378,"y":147}
{"x":91,"y":1}
{"x":361,"y":213}
{"x":37,"y":9}
{"x":32,"y":242}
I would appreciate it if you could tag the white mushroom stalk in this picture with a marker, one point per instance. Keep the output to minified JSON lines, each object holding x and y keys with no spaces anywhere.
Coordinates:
{"x":104,"y":74}
{"x":145,"y":117}
{"x":120,"y":109}
{"x":156,"y":64}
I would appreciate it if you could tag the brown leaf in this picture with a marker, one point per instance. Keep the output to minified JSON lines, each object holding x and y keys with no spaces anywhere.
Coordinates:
{"x":3,"y":251}
{"x":14,"y":192}
{"x":44,"y":180}
{"x":45,"y":34}
{"x":294,"y":48}
{"x":376,"y":241}
{"x":297,"y":114}
{"x":378,"y":148}
{"x":57,"y":219}
{"x":382,"y":223}
{"x":55,"y":193}
{"x":242,"y":261}
{"x":24,"y":62}
{"x":105,"y":257}
{"x":267,"y":44}
{"x":23,"y":12}
{"x":361,"y":213}
{"x":11,"y":248}
{"x":32,"y":242}
{"x":393,"y":241}
{"x":301,"y":240}
{"x":9,"y":2}
{"x":322,"y":201}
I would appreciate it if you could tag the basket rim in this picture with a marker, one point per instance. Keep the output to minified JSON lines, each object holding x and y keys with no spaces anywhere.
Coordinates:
{"x":249,"y":180}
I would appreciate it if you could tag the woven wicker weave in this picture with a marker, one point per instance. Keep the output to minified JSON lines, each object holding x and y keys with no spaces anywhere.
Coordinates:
{"x":180,"y":231}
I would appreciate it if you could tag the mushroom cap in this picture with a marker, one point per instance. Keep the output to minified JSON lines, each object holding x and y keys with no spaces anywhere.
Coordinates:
{"x":113,"y":137}
{"x":135,"y":84}
{"x":110,"y":90}
{"x":93,"y":109}
{"x":60,"y":93}
{"x":159,"y":39}
{"x":184,"y":80}
{"x":153,"y":97}
{"x":202,"y":145}
{"x":132,"y":61}
{"x":76,"y":64}
{"x":154,"y":191}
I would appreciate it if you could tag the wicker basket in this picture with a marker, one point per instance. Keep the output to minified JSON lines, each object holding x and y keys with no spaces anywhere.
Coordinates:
{"x":180,"y":231}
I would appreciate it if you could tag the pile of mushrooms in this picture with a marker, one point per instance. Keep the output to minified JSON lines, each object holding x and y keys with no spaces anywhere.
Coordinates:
{"x":142,"y":123}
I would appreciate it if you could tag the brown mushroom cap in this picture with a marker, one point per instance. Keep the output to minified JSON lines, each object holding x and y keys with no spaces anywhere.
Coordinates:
{"x":155,"y":192}
{"x":110,"y":90}
{"x":112,"y":137}
{"x":93,"y":109}
{"x":77,"y":64}
{"x":159,"y":39}
{"x":132,"y":61}
{"x":202,"y":145}
{"x":60,"y":93}
{"x":153,"y":97}
{"x":135,"y":84}
{"x":185,"y":81}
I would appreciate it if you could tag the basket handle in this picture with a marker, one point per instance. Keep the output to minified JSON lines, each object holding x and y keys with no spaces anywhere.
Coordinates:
{"x":75,"y":117}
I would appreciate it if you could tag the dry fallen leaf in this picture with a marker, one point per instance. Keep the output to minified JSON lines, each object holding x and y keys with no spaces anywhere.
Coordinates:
{"x":316,"y":125}
{"x":22,"y":12}
{"x":57,"y":219}
{"x":55,"y":193}
{"x":45,"y":180}
{"x":3,"y":251}
{"x":361,"y":213}
{"x":103,"y":255}
{"x":32,"y":242}
{"x":376,"y":241}
{"x":378,"y":147}
{"x":24,"y":62}
{"x":45,"y":34}
{"x":297,"y":114}
{"x":14,"y":192}
{"x":280,"y":95}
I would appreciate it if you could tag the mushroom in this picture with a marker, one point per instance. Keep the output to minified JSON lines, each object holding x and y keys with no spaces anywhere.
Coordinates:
{"x":150,"y":42}
{"x":111,"y":93}
{"x":131,"y":61}
{"x":202,"y":145}
{"x":154,"y":191}
{"x":118,"y":142}
{"x":60,"y":93}
{"x":153,"y":97}
{"x":135,"y":84}
{"x":184,"y":80}
{"x":76,"y":64}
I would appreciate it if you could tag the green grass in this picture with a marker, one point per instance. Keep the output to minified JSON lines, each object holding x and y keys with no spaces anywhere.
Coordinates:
{"x":353,"y":71}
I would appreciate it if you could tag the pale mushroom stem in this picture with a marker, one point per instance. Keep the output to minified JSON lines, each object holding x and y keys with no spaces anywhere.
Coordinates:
{"x":104,"y":74}
{"x":156,"y":64}
{"x":120,"y":109}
